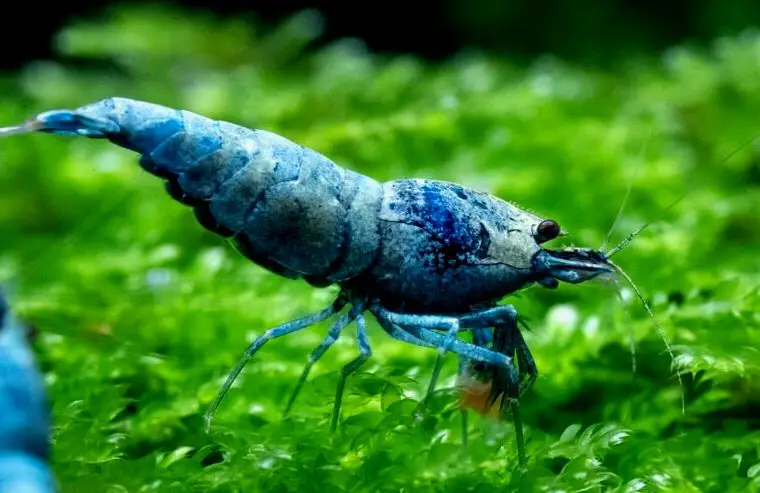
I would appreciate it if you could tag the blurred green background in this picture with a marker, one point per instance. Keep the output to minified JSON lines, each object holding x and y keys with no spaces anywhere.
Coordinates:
{"x":595,"y":32}
{"x":140,"y":313}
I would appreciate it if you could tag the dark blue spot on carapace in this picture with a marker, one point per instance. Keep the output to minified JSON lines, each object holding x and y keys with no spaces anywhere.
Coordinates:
{"x":438,"y":216}
{"x":456,"y":240}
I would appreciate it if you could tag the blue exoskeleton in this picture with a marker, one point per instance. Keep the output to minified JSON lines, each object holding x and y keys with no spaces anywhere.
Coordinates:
{"x":426,"y":258}
{"x":24,"y":418}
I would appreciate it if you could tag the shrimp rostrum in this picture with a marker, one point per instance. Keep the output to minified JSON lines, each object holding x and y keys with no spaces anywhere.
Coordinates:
{"x":427,"y":259}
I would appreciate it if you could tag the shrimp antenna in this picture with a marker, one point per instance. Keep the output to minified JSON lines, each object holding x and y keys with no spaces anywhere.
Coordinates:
{"x":627,"y":240}
{"x":641,"y":228}
{"x":631,"y":340}
{"x":607,"y":239}
{"x":633,"y":234}
{"x":657,"y":325}
{"x":619,"y":214}
{"x":626,"y":196}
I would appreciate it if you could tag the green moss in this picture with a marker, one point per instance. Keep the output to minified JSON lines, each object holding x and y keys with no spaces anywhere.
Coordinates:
{"x":141,"y":312}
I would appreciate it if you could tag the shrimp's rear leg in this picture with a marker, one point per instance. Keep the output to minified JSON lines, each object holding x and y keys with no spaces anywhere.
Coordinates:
{"x":279,"y":331}
{"x":430,"y":322}
{"x":365,"y":352}
{"x":332,"y":335}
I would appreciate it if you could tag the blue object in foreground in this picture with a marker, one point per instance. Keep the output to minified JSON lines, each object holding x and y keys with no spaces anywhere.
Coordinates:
{"x":24,"y":414}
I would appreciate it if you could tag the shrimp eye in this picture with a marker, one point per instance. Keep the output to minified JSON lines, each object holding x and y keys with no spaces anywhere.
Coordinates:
{"x":547,"y":230}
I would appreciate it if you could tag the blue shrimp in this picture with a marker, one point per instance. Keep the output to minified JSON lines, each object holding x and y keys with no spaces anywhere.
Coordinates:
{"x":428,"y":259}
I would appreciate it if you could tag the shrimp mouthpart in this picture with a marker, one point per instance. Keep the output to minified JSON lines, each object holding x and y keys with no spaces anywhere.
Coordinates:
{"x":573,"y":265}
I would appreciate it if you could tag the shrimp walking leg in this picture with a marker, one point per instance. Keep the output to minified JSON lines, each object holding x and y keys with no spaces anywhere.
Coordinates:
{"x":400,"y":334}
{"x":432,"y":339}
{"x":279,"y":331}
{"x":332,"y":335}
{"x":466,"y":349}
{"x":365,"y":352}
{"x":423,"y":327}
{"x":478,"y":320}
{"x":507,"y":339}
{"x":427,"y":322}
{"x":525,"y":361}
